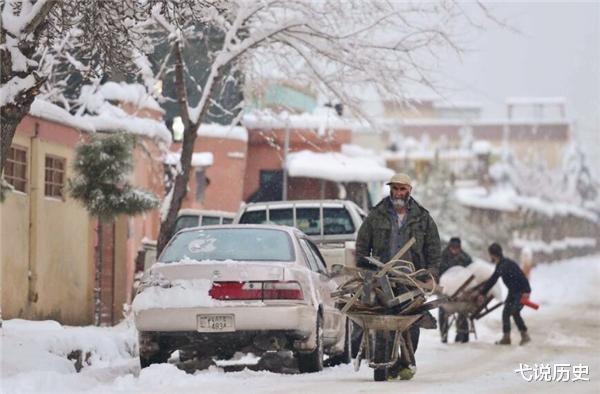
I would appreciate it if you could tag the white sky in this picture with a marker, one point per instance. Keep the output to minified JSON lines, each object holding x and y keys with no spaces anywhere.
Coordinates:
{"x":556,"y":53}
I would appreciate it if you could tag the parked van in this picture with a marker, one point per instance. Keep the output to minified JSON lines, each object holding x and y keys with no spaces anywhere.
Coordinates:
{"x":324,"y":221}
{"x":331,"y":224}
{"x":202,"y":217}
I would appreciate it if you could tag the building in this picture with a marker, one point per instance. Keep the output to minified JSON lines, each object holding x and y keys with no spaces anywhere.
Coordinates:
{"x":535,"y":128}
{"x":49,"y":273}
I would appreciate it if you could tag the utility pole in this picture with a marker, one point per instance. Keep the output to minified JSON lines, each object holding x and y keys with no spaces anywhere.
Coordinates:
{"x":286,"y":148}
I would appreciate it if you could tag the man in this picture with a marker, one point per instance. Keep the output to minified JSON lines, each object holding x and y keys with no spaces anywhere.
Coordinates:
{"x":517,"y":285}
{"x":390,"y":224}
{"x":453,"y":255}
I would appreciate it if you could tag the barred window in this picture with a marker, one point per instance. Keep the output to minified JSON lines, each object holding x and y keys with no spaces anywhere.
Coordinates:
{"x":55,"y":176}
{"x":15,"y":171}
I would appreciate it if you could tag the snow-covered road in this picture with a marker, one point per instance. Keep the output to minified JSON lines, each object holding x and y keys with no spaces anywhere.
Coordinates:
{"x":565,"y":330}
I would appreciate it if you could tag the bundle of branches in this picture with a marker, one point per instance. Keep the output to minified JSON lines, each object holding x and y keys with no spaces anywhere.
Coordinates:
{"x":393,"y":288}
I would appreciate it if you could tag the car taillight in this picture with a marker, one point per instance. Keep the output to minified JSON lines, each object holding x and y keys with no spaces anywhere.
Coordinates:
{"x":282,"y":291}
{"x":268,"y":290}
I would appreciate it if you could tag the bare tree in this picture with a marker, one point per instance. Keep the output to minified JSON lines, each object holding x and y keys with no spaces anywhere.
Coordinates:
{"x":339,"y":47}
{"x":83,"y":39}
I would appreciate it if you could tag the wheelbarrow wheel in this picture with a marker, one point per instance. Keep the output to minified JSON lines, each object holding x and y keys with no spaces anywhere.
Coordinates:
{"x":382,"y":354}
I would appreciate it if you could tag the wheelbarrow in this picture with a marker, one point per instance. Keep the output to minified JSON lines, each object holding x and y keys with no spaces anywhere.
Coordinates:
{"x":463,"y":302}
{"x":391,"y":329}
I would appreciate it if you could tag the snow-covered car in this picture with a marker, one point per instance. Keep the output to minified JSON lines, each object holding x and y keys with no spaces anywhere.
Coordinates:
{"x":217,"y":290}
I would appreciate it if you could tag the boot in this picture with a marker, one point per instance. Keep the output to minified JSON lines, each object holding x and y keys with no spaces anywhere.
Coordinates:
{"x":505,"y":340}
{"x":524,"y":338}
{"x":407,"y":373}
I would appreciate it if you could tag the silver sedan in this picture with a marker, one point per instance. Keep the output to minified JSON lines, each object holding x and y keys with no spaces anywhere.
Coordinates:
{"x":217,"y":290}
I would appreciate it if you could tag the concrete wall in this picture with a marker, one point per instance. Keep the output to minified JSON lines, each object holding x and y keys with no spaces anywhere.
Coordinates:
{"x":47,"y":270}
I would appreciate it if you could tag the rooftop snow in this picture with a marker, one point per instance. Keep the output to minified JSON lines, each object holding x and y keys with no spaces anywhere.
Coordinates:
{"x":106,"y":121}
{"x":321,"y":119}
{"x":199,"y":159}
{"x":130,"y":124}
{"x":336,"y":167}
{"x":214,"y":130}
{"x":46,"y":110}
{"x":129,"y":93}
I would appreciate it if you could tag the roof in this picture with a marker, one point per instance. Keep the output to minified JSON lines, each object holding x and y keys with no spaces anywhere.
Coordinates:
{"x":336,"y":167}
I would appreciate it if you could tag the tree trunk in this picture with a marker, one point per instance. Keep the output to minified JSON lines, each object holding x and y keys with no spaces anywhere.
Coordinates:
{"x":13,"y":111}
{"x":98,"y":276}
{"x":11,"y":115}
{"x":167,"y":226}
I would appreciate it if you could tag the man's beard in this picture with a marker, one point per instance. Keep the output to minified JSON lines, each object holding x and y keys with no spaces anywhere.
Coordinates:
{"x":400,"y":202}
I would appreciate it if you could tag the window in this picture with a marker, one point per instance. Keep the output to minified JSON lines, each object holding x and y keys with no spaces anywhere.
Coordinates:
{"x":15,"y":170}
{"x":54,"y":177}
{"x":239,"y":244}
{"x":186,"y":221}
{"x":309,"y":220}
{"x":201,"y":183}
{"x":254,"y":217}
{"x":314,"y":261}
{"x":337,"y":221}
{"x":284,"y":217}
{"x":210,"y":220}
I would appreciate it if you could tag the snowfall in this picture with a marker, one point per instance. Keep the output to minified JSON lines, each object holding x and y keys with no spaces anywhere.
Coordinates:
{"x":565,"y":330}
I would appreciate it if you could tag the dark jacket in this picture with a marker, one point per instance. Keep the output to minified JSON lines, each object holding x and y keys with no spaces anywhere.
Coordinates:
{"x":448,"y":260}
{"x":512,"y":276}
{"x":379,"y":236}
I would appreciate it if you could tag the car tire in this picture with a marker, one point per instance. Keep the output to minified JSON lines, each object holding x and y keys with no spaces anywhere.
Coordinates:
{"x":313,"y":361}
{"x":159,"y":357}
{"x":346,"y":356}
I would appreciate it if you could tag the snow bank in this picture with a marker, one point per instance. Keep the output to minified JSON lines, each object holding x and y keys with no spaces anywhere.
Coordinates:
{"x":568,"y":282}
{"x":556,"y":245}
{"x":506,"y":199}
{"x":43,"y":346}
{"x":336,"y":167}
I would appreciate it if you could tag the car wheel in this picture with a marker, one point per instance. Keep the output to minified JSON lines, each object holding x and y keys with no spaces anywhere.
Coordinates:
{"x":346,"y":356}
{"x":160,"y":353}
{"x":157,"y":358}
{"x":313,"y":361}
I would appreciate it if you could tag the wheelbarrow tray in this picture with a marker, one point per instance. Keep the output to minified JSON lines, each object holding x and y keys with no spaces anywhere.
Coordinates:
{"x":464,"y":307}
{"x":384,"y":322}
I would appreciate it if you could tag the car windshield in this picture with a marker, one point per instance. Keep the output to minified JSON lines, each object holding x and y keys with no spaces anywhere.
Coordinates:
{"x":241,"y":244}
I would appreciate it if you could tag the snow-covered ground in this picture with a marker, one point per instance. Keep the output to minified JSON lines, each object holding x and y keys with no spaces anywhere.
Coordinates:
{"x":565,"y":330}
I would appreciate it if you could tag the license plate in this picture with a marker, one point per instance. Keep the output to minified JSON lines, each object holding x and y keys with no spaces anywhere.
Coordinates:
{"x":216,"y":323}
